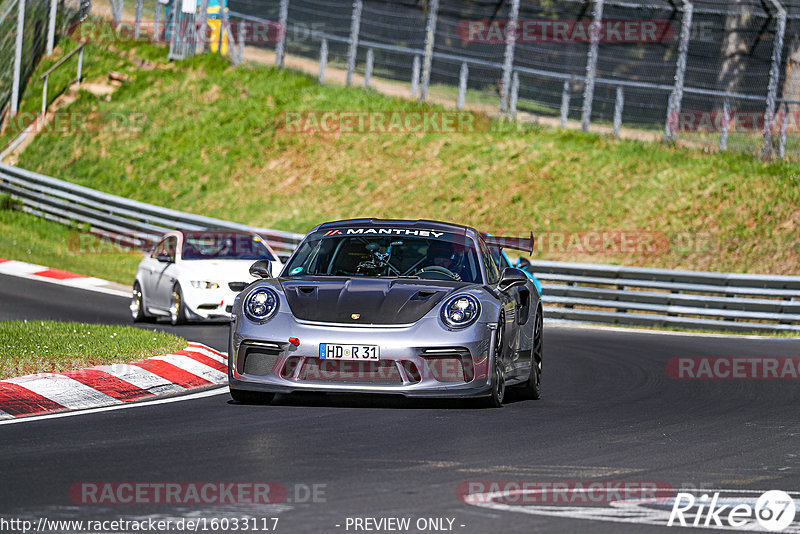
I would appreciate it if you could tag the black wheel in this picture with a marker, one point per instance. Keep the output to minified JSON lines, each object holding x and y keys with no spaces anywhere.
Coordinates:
{"x":244,"y":396}
{"x":495,"y":399}
{"x":177,"y":308}
{"x":137,"y":304}
{"x":533,"y":387}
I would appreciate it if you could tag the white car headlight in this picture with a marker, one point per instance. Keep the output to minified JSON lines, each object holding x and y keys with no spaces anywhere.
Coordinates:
{"x":261,"y":304}
{"x":460,"y":311}
{"x":199,"y":284}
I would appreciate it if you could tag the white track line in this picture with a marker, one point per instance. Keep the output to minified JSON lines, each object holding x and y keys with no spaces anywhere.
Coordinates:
{"x":556,"y":323}
{"x":123,"y":406}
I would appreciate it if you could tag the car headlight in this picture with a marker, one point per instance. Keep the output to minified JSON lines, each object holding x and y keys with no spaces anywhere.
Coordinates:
{"x":261,"y":304}
{"x":199,"y":284}
{"x":460,"y":311}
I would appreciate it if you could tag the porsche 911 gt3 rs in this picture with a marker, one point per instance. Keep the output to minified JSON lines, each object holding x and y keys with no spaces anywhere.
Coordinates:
{"x":416,"y":308}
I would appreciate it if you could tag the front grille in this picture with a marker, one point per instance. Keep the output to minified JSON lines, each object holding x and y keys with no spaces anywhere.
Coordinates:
{"x":353,"y":372}
{"x":259,"y":360}
{"x":453,"y":364}
{"x":237,"y":286}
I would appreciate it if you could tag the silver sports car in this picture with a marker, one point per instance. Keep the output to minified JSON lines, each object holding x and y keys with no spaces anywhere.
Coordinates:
{"x":416,"y":308}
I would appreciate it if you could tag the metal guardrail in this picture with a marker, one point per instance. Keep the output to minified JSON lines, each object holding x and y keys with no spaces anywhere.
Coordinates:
{"x":571,"y":291}
{"x":112,"y":215}
{"x":663,"y":297}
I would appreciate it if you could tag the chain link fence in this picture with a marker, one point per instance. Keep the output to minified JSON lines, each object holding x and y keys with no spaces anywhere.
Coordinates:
{"x":28,"y":30}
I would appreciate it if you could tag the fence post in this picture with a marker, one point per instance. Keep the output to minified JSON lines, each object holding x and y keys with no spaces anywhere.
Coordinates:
{"x":782,"y":140}
{"x":415,"y":77}
{"x":462,"y":85}
{"x":80,"y":66}
{"x":224,"y":28}
{"x":676,"y":96}
{"x":508,"y":58}
{"x":280,"y":46}
{"x":242,"y":36}
{"x":116,"y":10}
{"x":591,"y":65}
{"x":618,"y":105}
{"x":512,"y":104}
{"x":17,"y":57}
{"x":726,"y":122}
{"x":430,"y":35}
{"x":157,"y":23}
{"x":774,"y":76}
{"x":51,"y":27}
{"x":44,"y":95}
{"x":565,"y":104}
{"x":201,"y":23}
{"x":368,"y":68}
{"x":355,"y":25}
{"x":323,"y":59}
{"x":137,"y":23}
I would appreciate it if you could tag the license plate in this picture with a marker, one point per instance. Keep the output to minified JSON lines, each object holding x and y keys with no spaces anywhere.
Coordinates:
{"x":333,"y":351}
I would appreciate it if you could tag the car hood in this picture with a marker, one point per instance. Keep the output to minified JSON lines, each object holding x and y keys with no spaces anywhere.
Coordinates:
{"x":364,"y":300}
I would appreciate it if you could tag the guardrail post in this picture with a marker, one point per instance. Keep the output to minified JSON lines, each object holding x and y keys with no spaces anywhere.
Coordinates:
{"x":17,"y":57}
{"x":280,"y":46}
{"x":415,"y":77}
{"x":591,"y":65}
{"x":323,"y":59}
{"x":51,"y":27}
{"x":430,"y":36}
{"x":565,"y":104}
{"x":44,"y":95}
{"x":463,"y":75}
{"x":240,"y":44}
{"x":512,"y":103}
{"x":368,"y":68}
{"x":782,"y":139}
{"x":508,"y":59}
{"x":774,"y":76}
{"x":676,"y":96}
{"x":355,"y":25}
{"x":726,"y":121}
{"x":80,"y":66}
{"x":618,"y":105}
{"x":137,"y":23}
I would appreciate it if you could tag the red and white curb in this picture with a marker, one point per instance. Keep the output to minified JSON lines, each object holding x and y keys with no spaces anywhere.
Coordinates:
{"x":196,"y":366}
{"x":65,"y":278}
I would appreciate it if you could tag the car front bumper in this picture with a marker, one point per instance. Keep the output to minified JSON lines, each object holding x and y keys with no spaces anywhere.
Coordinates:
{"x":419,"y":360}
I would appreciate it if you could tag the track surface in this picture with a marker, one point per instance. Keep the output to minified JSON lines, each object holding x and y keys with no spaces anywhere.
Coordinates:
{"x":609,"y":412}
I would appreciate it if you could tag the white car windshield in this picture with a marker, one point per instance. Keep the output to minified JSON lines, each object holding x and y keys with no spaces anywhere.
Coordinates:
{"x":448,"y":257}
{"x":223,"y":246}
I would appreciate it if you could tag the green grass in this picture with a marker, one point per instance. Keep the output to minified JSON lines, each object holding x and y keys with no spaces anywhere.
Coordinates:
{"x":207,"y":140}
{"x":28,"y":238}
{"x":47,"y":346}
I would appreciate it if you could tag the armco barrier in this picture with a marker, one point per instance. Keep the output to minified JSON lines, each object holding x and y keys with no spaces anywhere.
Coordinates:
{"x":111,"y":214}
{"x":571,"y":291}
{"x":663,"y":297}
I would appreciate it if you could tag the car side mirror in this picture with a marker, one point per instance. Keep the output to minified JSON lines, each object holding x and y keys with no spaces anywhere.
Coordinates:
{"x":261,"y":269}
{"x":164,"y":257}
{"x":511,"y":277}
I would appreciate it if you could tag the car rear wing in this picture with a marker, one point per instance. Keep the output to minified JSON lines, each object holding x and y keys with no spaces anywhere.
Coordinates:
{"x":524,"y":244}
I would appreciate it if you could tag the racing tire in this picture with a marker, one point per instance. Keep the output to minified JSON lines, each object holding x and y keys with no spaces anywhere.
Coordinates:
{"x":533,"y":387}
{"x":498,"y":391}
{"x":243,"y":396}
{"x":177,"y":307}
{"x":137,"y":304}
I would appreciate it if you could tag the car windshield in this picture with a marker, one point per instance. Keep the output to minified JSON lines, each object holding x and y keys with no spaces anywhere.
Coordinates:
{"x":444,"y":257}
{"x":224,"y":246}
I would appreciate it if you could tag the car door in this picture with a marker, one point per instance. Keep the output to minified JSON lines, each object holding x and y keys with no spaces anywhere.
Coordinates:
{"x":507,"y":301}
{"x":163,"y":275}
{"x":147,"y":271}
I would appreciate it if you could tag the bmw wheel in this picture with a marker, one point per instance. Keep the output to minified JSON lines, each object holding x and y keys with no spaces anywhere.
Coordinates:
{"x":137,"y":304}
{"x":177,"y":308}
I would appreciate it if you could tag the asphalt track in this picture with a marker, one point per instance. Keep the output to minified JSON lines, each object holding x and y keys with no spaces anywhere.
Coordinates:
{"x":609,"y":412}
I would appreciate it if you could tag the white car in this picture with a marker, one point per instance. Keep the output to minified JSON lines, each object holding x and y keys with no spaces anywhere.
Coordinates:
{"x":194,"y":276}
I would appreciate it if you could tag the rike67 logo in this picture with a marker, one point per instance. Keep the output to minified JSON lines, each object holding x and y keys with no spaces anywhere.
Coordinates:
{"x":773,"y":511}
